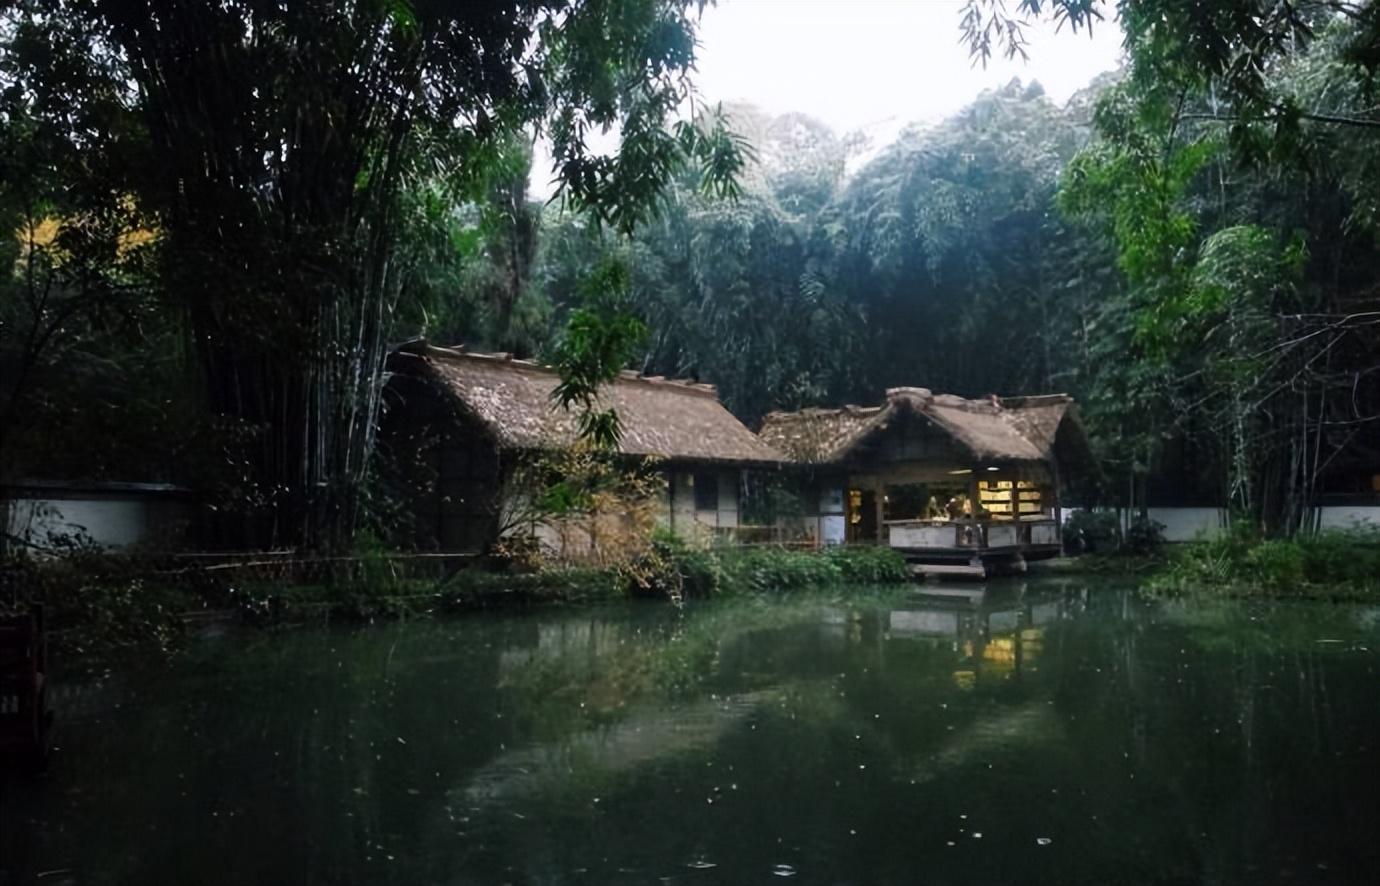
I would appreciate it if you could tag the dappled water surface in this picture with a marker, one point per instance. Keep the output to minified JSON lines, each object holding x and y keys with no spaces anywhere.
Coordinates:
{"x":1037,"y":733}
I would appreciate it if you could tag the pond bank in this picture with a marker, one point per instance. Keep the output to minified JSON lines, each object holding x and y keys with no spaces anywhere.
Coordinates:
{"x":103,"y":606}
{"x":1330,"y":565}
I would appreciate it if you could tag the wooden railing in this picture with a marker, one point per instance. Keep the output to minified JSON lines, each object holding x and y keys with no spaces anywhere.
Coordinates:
{"x":977,"y":535}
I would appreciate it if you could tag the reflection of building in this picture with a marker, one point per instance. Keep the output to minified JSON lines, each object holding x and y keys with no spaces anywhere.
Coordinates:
{"x":956,"y":485}
{"x":993,"y":636}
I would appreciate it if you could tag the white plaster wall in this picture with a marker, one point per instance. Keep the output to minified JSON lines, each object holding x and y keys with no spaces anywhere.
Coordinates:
{"x":112,"y":523}
{"x":683,"y":502}
{"x":1189,"y":524}
{"x":728,"y":499}
{"x":1349,"y":517}
{"x":1196,"y":524}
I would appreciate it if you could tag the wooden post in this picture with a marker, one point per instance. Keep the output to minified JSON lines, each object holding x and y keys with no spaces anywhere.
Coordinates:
{"x":1054,"y":501}
{"x":974,"y":504}
{"x":879,"y":506}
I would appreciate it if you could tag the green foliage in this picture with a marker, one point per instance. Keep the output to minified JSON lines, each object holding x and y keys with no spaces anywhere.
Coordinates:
{"x":1276,"y":563}
{"x":697,"y":571}
{"x":1093,"y":531}
{"x":305,"y":164}
{"x":1100,"y":532}
{"x":599,"y":340}
{"x":771,"y":570}
{"x":96,"y":604}
{"x":1228,"y":303}
{"x":1232,"y":49}
{"x":1330,"y":563}
{"x":868,"y":564}
{"x":1143,"y":536}
{"x":735,"y":570}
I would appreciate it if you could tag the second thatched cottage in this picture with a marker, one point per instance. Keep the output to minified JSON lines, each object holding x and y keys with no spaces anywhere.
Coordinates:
{"x":957,"y":485}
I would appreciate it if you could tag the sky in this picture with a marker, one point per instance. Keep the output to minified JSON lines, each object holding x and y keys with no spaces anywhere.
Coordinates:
{"x":870,"y":65}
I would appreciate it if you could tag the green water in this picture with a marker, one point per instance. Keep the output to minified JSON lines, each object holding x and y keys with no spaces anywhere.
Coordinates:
{"x":1040,"y":733}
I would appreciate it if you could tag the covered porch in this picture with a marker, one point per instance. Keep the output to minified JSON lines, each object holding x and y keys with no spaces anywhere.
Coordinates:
{"x":968,"y":521}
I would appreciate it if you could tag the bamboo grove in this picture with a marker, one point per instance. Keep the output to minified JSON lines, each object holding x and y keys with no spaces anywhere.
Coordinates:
{"x":228,"y":213}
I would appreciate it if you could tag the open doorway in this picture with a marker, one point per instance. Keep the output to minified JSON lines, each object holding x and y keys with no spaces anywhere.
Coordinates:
{"x":862,"y":516}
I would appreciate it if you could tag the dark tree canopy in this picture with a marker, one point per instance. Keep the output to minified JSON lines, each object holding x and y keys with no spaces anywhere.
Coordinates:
{"x":291,"y":153}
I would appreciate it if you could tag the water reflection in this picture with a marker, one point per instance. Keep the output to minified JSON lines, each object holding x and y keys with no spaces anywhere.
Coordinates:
{"x":1029,"y":732}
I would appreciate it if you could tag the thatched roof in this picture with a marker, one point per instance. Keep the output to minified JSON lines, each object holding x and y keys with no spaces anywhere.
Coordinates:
{"x":1011,"y":429}
{"x":664,"y":418}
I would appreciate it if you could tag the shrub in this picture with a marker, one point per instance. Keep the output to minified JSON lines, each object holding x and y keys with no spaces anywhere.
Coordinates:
{"x":1093,"y":532}
{"x":868,"y":564}
{"x":1143,"y":536}
{"x":728,"y":569}
{"x":1275,"y":564}
{"x":95,"y":602}
{"x":1339,"y":556}
{"x":701,"y":572}
{"x":1346,"y":562}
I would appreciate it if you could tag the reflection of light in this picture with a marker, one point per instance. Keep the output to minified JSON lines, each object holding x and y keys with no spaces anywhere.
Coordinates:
{"x":962,"y":471}
{"x":965,"y":679}
{"x":1001,"y":650}
{"x":994,"y":469}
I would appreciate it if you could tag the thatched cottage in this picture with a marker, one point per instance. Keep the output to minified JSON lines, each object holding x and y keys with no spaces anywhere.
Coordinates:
{"x":461,"y":423}
{"x":958,"y":485}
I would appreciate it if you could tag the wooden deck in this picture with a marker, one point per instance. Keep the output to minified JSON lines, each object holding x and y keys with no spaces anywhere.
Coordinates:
{"x":975,"y":548}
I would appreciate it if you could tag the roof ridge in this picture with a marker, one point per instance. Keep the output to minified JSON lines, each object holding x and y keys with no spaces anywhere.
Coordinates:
{"x":1023,"y":400}
{"x":460,"y":352}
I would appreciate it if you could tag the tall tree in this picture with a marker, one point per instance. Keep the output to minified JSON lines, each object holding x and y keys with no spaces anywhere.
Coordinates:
{"x":287,"y":137}
{"x":1244,"y":328}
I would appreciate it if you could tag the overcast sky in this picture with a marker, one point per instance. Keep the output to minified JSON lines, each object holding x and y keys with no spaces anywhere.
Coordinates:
{"x":852,"y":63}
{"x":873,"y":65}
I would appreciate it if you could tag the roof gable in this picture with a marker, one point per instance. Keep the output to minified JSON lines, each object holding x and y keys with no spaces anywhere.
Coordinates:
{"x":1019,"y":429}
{"x":660,"y":417}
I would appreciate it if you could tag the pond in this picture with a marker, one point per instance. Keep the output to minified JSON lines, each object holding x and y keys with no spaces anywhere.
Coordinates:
{"x":1029,"y":732}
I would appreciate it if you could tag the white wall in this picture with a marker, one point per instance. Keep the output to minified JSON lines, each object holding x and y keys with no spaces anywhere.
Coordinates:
{"x":109,"y":521}
{"x":1349,"y":517}
{"x":1196,"y":524}
{"x":1189,"y":524}
{"x":682,"y":502}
